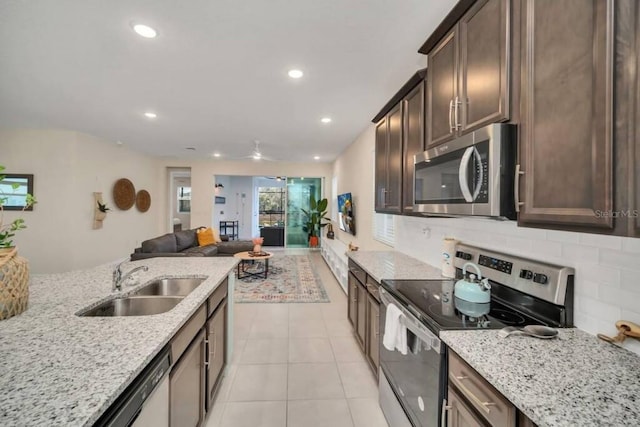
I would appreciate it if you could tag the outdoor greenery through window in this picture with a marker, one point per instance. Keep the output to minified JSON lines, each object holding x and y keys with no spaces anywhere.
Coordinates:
{"x":271,"y":203}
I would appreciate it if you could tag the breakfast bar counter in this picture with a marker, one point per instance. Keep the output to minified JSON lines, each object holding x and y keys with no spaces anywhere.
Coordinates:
{"x":59,"y":369}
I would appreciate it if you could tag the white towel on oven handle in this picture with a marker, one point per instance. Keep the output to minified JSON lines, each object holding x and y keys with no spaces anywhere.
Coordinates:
{"x":395,"y":331}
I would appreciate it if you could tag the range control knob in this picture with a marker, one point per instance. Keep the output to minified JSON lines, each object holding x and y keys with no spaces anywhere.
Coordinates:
{"x":540,"y":278}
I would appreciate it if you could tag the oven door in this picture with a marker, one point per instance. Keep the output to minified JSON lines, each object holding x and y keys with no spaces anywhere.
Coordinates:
{"x":417,"y":378}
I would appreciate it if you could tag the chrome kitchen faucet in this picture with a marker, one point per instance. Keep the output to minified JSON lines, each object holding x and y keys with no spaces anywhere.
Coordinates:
{"x":119,"y":278}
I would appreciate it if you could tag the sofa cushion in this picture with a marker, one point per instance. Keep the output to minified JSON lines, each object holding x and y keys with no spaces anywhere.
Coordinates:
{"x":166,"y":243}
{"x":186,"y":239}
{"x":209,"y":250}
{"x":205,"y":237}
{"x":234,"y":246}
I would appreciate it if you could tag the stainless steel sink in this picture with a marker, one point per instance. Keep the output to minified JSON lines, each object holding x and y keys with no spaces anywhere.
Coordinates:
{"x":181,"y":286}
{"x":134,"y":306}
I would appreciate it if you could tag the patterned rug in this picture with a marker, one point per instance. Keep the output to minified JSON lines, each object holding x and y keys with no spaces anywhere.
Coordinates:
{"x":291,"y":278}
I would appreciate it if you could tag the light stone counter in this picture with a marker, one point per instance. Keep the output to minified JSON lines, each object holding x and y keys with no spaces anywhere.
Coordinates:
{"x":58,"y":369}
{"x":573,"y":380}
{"x":393,"y":265}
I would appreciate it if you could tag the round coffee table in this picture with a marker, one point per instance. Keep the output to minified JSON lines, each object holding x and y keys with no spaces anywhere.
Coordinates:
{"x":245,"y":258}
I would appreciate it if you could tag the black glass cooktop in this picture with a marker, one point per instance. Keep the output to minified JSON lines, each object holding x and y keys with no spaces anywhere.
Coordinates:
{"x":434,"y":302}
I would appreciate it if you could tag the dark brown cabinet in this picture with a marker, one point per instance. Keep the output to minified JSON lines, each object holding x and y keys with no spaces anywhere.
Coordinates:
{"x":187,"y":386}
{"x":468,"y":79}
{"x":459,"y":414}
{"x":216,"y":327}
{"x":373,"y":333}
{"x":364,"y":313}
{"x":388,"y":174}
{"x":413,"y":141}
{"x":566,"y":151}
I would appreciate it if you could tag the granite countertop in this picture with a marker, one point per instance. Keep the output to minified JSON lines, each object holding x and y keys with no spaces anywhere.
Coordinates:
{"x":393,"y":265}
{"x":572,"y":380}
{"x":58,"y":369}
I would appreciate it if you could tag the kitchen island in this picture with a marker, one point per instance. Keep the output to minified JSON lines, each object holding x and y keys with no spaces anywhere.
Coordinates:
{"x":572,"y":380}
{"x":59,"y":369}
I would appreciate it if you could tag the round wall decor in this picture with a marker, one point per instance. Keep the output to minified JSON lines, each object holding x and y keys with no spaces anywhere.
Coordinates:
{"x":124,"y":194}
{"x":143,"y":200}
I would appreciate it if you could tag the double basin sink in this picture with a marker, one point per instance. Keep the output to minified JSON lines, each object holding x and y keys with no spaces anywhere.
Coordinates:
{"x":157,"y":297}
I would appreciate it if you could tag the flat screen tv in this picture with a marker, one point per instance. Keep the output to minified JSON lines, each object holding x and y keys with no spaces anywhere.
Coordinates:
{"x":346,"y":219}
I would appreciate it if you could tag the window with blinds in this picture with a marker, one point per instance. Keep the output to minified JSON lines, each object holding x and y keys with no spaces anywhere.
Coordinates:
{"x":383,"y":229}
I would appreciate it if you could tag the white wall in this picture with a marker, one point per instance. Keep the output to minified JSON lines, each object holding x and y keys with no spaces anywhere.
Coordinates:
{"x":607,"y":268}
{"x":68,"y":167}
{"x":354,"y":172}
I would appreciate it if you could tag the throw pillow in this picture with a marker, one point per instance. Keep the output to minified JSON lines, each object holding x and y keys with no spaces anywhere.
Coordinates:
{"x":216,"y":236}
{"x":205,"y":237}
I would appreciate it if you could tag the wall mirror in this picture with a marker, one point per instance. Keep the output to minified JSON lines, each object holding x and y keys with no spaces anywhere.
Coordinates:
{"x":13,"y":191}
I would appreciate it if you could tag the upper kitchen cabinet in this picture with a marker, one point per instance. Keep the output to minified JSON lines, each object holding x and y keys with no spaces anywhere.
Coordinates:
{"x":468,"y":79}
{"x":388,"y":173}
{"x":413,"y":141}
{"x":400,"y":135}
{"x":566,"y":153}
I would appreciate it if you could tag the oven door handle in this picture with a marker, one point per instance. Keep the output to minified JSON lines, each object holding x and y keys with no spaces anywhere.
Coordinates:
{"x":411,"y":323}
{"x":463,"y":177}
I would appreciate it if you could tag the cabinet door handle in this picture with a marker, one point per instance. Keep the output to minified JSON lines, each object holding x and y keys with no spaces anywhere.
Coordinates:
{"x":456,"y":107}
{"x":445,"y":409}
{"x":485,"y":406}
{"x":516,"y":188}
{"x":451,"y":128}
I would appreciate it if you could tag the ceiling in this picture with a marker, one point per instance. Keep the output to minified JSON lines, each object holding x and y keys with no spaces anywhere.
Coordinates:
{"x":216,"y":75}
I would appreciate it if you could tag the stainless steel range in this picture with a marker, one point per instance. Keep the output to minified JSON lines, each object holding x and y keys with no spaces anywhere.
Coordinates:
{"x":523,"y":292}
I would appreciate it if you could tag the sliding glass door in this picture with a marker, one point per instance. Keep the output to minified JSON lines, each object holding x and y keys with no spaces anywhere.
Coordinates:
{"x":298,"y":192}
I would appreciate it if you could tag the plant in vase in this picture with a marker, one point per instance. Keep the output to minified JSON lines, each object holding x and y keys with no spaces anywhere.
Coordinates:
{"x":257,"y":244}
{"x":314,"y":216}
{"x":14,"y":270}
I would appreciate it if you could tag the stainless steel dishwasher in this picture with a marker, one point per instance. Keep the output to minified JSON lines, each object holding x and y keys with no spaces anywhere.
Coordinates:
{"x":146,"y":401}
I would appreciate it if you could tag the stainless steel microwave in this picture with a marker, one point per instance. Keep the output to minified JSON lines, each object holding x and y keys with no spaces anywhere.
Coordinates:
{"x":471,"y":175}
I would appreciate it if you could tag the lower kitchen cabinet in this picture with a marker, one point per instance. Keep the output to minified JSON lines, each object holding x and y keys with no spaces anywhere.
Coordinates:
{"x":373,"y":334}
{"x":187,"y":386}
{"x":361,"y":324}
{"x":459,"y":414}
{"x":216,"y":327}
{"x":364,"y":313}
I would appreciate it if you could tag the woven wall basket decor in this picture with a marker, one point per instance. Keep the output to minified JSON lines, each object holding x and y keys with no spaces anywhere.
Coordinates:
{"x":124,"y":194}
{"x":143,"y":200}
{"x":14,"y":283}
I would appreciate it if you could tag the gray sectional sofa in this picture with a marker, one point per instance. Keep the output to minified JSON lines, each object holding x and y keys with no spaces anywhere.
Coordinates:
{"x":185,"y":243}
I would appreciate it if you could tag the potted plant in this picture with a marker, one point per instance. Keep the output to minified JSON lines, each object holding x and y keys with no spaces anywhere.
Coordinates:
{"x":14,"y":270}
{"x":314,"y":216}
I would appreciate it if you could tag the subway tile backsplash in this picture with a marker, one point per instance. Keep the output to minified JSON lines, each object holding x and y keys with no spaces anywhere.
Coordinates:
{"x":607,"y":283}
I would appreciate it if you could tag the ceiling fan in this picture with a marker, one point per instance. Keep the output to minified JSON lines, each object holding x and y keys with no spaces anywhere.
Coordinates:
{"x":256,"y":154}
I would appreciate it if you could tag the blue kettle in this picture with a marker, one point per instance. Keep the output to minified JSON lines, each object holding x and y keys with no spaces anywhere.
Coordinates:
{"x":473,"y":290}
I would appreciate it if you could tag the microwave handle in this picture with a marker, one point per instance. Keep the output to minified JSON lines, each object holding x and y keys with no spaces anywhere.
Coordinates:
{"x":476,"y":190}
{"x":462,"y":174}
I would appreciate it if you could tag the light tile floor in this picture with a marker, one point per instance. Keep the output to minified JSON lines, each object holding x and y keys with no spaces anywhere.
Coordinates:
{"x":297,"y":365}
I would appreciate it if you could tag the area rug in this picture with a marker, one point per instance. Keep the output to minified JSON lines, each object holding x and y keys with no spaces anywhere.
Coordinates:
{"x":291,"y":278}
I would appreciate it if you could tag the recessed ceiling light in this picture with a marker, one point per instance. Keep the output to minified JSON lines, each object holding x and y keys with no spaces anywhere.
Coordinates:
{"x":216,"y":154}
{"x":295,"y":74}
{"x":326,"y":120}
{"x":316,"y":157}
{"x":150,"y":115}
{"x":145,"y":31}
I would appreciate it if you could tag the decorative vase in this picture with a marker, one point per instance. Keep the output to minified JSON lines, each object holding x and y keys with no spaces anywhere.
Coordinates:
{"x":330,"y":233}
{"x":313,"y":241}
{"x":14,"y":283}
{"x":257,"y":248}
